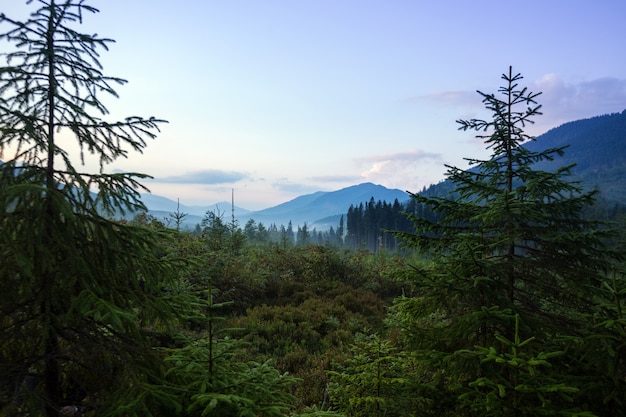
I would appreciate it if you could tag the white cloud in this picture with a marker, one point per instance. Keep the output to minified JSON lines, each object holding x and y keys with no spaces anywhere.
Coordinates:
{"x":562,"y":101}
{"x":413,"y":169}
{"x":208,"y":176}
{"x":565,"y":102}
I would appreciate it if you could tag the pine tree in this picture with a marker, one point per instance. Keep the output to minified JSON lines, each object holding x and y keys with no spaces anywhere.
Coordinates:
{"x":303,"y":235}
{"x":509,"y":241}
{"x":290,"y":236}
{"x":373,"y":381}
{"x":340,"y":232}
{"x":229,"y":387}
{"x":83,"y":299}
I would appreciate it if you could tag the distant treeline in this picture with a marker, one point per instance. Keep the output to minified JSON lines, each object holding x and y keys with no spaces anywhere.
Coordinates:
{"x":369,"y":225}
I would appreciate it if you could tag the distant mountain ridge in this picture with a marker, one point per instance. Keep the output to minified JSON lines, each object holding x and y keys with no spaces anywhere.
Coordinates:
{"x":597,"y":145}
{"x":320,"y":210}
{"x":598,"y":148}
{"x":157,"y":203}
{"x":323,"y":209}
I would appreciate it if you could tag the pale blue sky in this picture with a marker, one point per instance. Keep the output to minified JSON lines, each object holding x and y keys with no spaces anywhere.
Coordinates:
{"x":276,"y":99}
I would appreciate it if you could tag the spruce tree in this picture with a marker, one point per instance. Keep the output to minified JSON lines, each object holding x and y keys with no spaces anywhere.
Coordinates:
{"x":83,"y":298}
{"x":509,"y":241}
{"x":374,"y":381}
{"x":229,"y":386}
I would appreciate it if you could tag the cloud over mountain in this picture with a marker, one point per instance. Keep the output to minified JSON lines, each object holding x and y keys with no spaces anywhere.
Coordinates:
{"x":570,"y":101}
{"x":207,"y":176}
{"x":561,"y":100}
{"x":403,"y":167}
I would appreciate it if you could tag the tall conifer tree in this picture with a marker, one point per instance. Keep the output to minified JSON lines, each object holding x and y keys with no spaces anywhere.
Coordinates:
{"x":509,"y":242}
{"x":81,"y":296}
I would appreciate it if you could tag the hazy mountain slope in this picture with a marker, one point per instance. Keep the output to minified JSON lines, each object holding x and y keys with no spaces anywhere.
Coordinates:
{"x":598,"y":148}
{"x":597,"y":145}
{"x":316,"y":208}
{"x":159,"y":203}
{"x":291,"y":206}
{"x":319,"y":210}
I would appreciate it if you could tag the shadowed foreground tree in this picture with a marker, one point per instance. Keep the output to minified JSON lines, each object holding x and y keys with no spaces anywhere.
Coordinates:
{"x":375,"y":381}
{"x":83,"y":299}
{"x":510,"y":259}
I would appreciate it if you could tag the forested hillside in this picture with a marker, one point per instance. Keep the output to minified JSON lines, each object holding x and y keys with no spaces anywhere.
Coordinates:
{"x":319,"y":210}
{"x":596,"y":147}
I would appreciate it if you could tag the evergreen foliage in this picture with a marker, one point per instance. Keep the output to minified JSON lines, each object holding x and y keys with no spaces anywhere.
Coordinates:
{"x":512,"y":243}
{"x":510,"y":309}
{"x":596,"y":145}
{"x":598,"y":350}
{"x":520,"y":385}
{"x":367,"y":224}
{"x":82,"y":296}
{"x":215,"y":382}
{"x":376,"y":380}
{"x":89,"y":306}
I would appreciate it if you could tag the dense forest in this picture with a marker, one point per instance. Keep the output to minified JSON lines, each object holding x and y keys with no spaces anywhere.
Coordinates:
{"x":371,"y":225}
{"x":504,"y":297}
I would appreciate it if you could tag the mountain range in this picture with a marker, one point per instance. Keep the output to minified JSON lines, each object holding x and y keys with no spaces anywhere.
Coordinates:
{"x":596,"y":145}
{"x":319,"y":210}
{"x":598,"y":148}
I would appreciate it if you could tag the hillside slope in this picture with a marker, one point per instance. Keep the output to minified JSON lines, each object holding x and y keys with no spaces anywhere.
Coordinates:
{"x":320,"y":210}
{"x":323,"y":209}
{"x":596,"y":145}
{"x":598,"y":148}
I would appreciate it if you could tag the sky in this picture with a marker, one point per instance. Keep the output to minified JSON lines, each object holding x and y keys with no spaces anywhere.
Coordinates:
{"x":279,"y":98}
